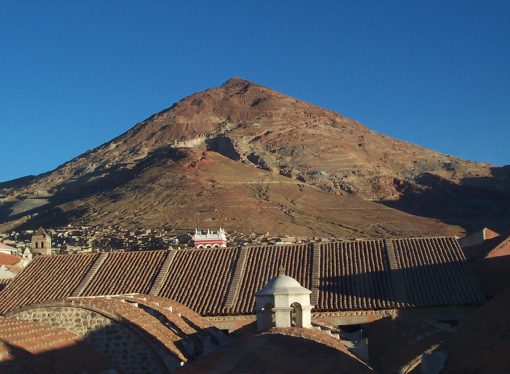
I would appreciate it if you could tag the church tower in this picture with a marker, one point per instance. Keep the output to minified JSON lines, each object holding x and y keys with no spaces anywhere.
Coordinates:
{"x":41,"y":242}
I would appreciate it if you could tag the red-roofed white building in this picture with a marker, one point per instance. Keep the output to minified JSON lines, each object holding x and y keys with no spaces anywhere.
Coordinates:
{"x":9,"y":267}
{"x":7,"y":249}
{"x":210,"y":239}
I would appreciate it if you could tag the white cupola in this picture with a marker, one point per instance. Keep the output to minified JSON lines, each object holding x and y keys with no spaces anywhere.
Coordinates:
{"x":287,"y":299}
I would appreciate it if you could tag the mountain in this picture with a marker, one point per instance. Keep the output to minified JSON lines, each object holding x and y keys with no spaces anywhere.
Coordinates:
{"x":252,"y":159}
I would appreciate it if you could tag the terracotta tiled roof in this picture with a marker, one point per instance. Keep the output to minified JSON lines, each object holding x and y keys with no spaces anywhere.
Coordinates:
{"x":187,"y":313}
{"x":355,"y":275}
{"x":167,"y":326}
{"x":6,"y":259}
{"x":126,"y":272}
{"x":501,"y":249}
{"x":33,"y":347}
{"x":46,"y":278}
{"x":491,"y":271}
{"x":129,"y":313}
{"x":396,"y":344}
{"x":281,"y":350}
{"x":487,"y":248}
{"x":263,"y":263}
{"x":352,"y":275}
{"x":15,"y":269}
{"x":199,"y":278}
{"x":315,"y":335}
{"x":481,"y":344}
{"x":179,"y":326}
{"x":435,"y":273}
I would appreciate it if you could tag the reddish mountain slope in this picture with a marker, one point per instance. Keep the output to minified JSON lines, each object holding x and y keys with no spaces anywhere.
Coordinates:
{"x":150,"y":173}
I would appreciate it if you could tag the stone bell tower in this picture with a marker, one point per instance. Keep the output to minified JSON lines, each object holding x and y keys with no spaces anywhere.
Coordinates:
{"x":41,"y":242}
{"x":283,"y":302}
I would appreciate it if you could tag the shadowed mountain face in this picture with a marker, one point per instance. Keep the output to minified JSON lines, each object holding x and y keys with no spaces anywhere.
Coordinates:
{"x":250,"y":158}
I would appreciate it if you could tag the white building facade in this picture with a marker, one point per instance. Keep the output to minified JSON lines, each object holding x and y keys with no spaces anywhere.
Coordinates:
{"x":210,"y":239}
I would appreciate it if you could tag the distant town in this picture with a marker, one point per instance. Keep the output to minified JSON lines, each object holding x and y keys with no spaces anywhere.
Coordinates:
{"x":84,"y":239}
{"x":17,"y":248}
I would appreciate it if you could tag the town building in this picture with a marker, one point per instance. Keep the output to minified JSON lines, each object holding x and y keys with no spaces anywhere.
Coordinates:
{"x":26,"y":257}
{"x":9,"y":268}
{"x":210,"y":239}
{"x":7,"y":249}
{"x":41,"y":242}
{"x":12,"y":265}
{"x":478,"y":237}
{"x":480,"y":243}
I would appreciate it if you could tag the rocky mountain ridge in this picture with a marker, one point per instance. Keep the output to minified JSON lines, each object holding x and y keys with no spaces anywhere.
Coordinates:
{"x":267,"y":135}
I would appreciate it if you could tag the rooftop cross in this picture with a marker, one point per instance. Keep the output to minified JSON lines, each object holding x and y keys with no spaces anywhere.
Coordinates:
{"x":281,"y":271}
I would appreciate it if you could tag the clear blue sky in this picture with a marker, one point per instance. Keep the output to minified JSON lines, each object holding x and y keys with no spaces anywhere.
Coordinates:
{"x":74,"y":74}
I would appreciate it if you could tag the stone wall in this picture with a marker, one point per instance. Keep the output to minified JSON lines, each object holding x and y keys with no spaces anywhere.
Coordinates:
{"x":231,"y":323}
{"x":125,"y":348}
{"x":351,"y":318}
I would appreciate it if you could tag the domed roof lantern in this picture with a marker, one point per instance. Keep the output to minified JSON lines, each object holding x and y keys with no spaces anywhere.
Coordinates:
{"x":282,"y":285}
{"x":289,"y":301}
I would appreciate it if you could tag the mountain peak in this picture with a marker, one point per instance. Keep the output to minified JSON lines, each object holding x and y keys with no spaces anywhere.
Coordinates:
{"x":235,"y":82}
{"x":245,"y":130}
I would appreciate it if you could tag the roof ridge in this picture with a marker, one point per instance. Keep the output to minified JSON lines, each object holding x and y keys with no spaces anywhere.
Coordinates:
{"x":162,"y":274}
{"x":94,"y":268}
{"x":237,"y":278}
